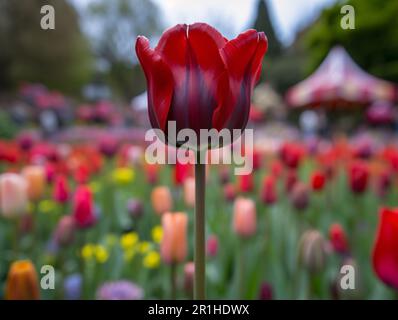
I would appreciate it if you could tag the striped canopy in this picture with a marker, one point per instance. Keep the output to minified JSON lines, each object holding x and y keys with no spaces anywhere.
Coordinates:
{"x":339,"y":81}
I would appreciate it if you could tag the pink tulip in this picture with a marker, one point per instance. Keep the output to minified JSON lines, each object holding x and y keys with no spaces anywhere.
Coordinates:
{"x":13,"y":195}
{"x":245,"y":220}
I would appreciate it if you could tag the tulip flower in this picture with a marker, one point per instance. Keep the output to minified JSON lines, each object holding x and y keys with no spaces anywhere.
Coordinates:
{"x":312,"y":251}
{"x":212,"y":246}
{"x":13,"y":195}
{"x":299,"y":196}
{"x":385,"y":253}
{"x":338,"y":238}
{"x":36,"y":179}
{"x":61,"y":189}
{"x":161,"y":199}
{"x":358,"y":176}
{"x":22,"y":282}
{"x":246,"y":183}
{"x":268,"y":192}
{"x":200,"y":80}
{"x":189,"y":272}
{"x":83,"y":207}
{"x":229,"y":192}
{"x":189,"y":192}
{"x":135,"y":208}
{"x":120,"y":290}
{"x":291,"y":155}
{"x":318,"y":180}
{"x":383,"y":183}
{"x":65,"y":231}
{"x":173,"y":247}
{"x":245,"y":217}
{"x":266,"y":291}
{"x":181,"y":172}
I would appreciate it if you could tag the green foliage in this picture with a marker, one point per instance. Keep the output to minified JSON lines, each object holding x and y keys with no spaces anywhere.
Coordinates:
{"x":119,"y":23}
{"x":263,"y":23}
{"x":282,"y":67}
{"x":58,"y":58}
{"x":372,"y":44}
{"x":7,"y":128}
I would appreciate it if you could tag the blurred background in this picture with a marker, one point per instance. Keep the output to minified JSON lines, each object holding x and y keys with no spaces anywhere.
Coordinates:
{"x":73,"y":104}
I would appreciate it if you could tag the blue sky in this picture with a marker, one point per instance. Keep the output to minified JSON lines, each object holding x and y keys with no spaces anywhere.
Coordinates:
{"x":234,"y":16}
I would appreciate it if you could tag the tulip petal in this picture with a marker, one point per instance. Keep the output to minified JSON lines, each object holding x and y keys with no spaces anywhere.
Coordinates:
{"x":192,"y":53}
{"x":385,"y":253}
{"x":243,"y":57}
{"x":159,"y":83}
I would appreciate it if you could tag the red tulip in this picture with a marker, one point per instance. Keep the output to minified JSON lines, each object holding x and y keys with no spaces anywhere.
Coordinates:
{"x":291,"y":155}
{"x":229,"y":192}
{"x":181,"y":172}
{"x":268,"y":193}
{"x":385,"y":253}
{"x":338,"y":238}
{"x":318,"y":180}
{"x":61,"y":189}
{"x":212,"y":246}
{"x":246,"y":183}
{"x":358,"y":175}
{"x":83,"y":207}
{"x":199,"y":79}
{"x":383,"y":183}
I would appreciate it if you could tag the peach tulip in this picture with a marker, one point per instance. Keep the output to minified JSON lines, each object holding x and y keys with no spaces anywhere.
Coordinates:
{"x":173,"y":247}
{"x":36,"y":179}
{"x":245,"y":220}
{"x":189,"y":192}
{"x":13,"y":195}
{"x":161,"y":199}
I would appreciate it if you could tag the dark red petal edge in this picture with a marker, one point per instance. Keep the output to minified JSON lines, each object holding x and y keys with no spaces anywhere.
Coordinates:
{"x":159,"y":82}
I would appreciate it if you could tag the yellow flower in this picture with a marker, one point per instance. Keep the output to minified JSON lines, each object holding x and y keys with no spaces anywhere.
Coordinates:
{"x":157,"y":233}
{"x":94,"y":186}
{"x":46,"y":206}
{"x":128,"y":240}
{"x":151,"y":260}
{"x":123,"y":175}
{"x":101,"y":254}
{"x":87,"y":251}
{"x":144,"y":247}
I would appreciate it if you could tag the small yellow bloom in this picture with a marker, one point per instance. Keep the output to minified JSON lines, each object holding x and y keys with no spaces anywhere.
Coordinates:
{"x":46,"y":206}
{"x":101,"y":254}
{"x":94,"y":186}
{"x":152,"y":260}
{"x":123,"y":175}
{"x":157,"y":233}
{"x":129,"y":240}
{"x":144,"y":247}
{"x":87,"y":251}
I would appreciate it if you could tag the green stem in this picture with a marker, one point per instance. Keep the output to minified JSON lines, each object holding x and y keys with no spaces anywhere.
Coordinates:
{"x":173,"y":281}
{"x":200,"y":168}
{"x":16,"y":237}
{"x":241,"y":270}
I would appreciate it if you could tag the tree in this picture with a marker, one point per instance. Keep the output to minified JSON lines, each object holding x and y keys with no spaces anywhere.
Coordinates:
{"x":58,"y":58}
{"x":118,"y":23}
{"x":372,"y":44}
{"x":263,"y":23}
{"x":282,"y":66}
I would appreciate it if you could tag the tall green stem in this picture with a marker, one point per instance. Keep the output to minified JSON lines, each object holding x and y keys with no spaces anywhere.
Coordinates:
{"x":200,"y":271}
{"x":173,"y":281}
